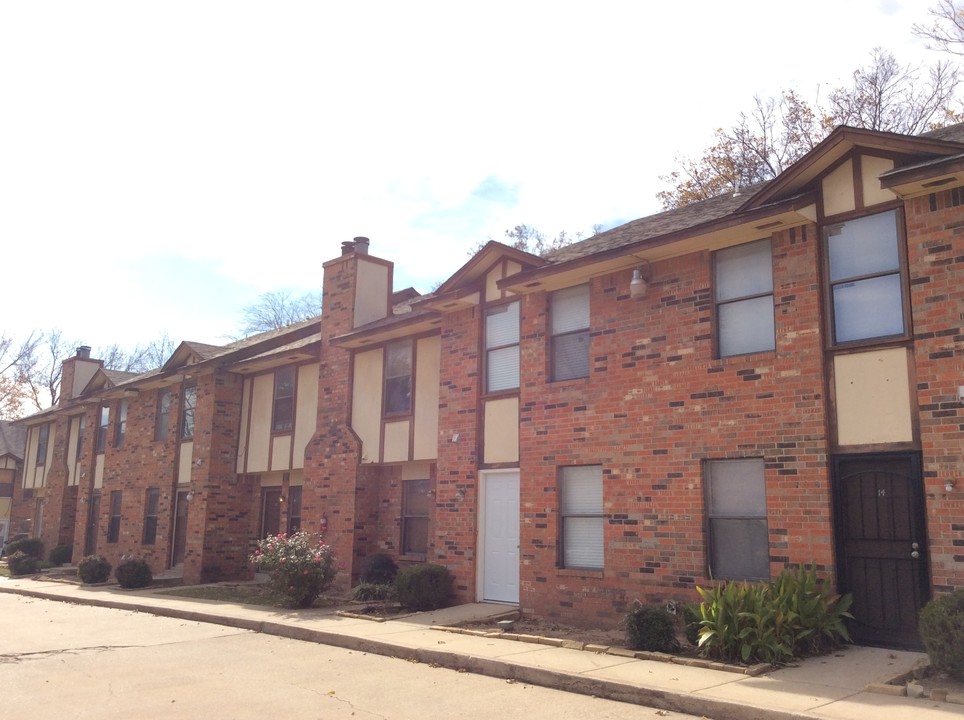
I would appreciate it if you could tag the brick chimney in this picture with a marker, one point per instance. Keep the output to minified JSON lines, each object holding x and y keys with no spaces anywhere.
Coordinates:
{"x":77,"y":372}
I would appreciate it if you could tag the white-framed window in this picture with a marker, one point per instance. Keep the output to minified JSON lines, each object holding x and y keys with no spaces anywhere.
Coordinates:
{"x":283,"y":407}
{"x":569,"y":331}
{"x":120,"y":426}
{"x":162,"y":416}
{"x":736,"y":512}
{"x":43,"y":439}
{"x":398,"y":378}
{"x":188,"y":408}
{"x":581,"y":515}
{"x":864,"y":270}
{"x":100,"y":443}
{"x":743,"y":289}
{"x":502,"y":347}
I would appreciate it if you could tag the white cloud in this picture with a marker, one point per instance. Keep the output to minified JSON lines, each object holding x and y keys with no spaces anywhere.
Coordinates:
{"x":161,"y":165}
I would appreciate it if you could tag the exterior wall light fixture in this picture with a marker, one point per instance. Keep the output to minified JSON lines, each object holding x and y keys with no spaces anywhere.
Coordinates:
{"x":638,"y":285}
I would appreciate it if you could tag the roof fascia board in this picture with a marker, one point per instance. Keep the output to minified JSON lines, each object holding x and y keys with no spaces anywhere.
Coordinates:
{"x":629,"y":255}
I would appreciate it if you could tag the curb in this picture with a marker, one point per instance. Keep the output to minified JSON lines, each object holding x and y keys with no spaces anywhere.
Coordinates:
{"x":656,"y":698}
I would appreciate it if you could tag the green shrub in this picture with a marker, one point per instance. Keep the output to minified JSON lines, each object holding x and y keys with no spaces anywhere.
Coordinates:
{"x":772,"y":622}
{"x":300,"y":566}
{"x":33,"y":547}
{"x":424,"y":587}
{"x":691,"y":622}
{"x":94,"y":569}
{"x":650,"y":628}
{"x":134,"y":573}
{"x":374,"y":592}
{"x":942,"y":632}
{"x":61,"y":554}
{"x":20,"y":563}
{"x":378,"y":569}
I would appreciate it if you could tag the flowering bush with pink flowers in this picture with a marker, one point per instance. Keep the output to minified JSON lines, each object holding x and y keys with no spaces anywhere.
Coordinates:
{"x":301,"y":566}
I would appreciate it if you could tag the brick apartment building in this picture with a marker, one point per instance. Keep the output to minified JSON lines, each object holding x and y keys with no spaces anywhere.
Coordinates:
{"x":764,"y":379}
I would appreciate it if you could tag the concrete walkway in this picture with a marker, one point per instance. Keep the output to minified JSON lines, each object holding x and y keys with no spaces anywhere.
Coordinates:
{"x":833,"y":687}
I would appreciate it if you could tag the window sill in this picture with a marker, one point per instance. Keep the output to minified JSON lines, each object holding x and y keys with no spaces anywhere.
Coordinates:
{"x":581,"y":572}
{"x":412,"y":557}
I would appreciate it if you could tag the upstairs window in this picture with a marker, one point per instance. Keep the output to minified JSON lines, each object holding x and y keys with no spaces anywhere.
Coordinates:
{"x":162,"y":418}
{"x":581,"y":512}
{"x":120,"y":427}
{"x":502,"y":347}
{"x":398,"y":378}
{"x":743,"y":283}
{"x":283,"y":411}
{"x":736,"y":510}
{"x":569,"y":326}
{"x":43,"y":438}
{"x":81,"y":431}
{"x":101,"y":439}
{"x":866,"y":289}
{"x":188,"y":406}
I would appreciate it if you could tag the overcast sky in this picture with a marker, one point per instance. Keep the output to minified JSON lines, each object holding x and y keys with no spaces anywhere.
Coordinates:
{"x":163,"y":164}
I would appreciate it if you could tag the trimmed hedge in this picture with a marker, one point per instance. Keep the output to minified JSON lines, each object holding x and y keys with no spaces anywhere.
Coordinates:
{"x":424,"y":587}
{"x":61,"y":554}
{"x":134,"y":573}
{"x":378,"y":569}
{"x":20,"y":563}
{"x":94,"y":569}
{"x":33,"y":547}
{"x":650,"y":628}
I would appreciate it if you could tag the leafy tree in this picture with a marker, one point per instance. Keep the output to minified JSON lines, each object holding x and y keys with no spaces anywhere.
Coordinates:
{"x":947,"y":31}
{"x":883,"y":95}
{"x":278,"y":308}
{"x":12,"y":389}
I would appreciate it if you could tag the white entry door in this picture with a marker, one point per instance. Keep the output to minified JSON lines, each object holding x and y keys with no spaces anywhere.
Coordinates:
{"x":500,"y":536}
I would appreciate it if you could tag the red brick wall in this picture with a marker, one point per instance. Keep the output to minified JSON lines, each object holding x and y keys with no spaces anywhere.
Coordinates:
{"x":454,"y":527}
{"x":935,"y":229}
{"x":656,"y":405}
{"x":333,"y":455}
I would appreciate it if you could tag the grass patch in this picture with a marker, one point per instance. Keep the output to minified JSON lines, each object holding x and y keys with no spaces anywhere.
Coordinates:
{"x":247,"y":594}
{"x":242,"y":594}
{"x":4,"y":570}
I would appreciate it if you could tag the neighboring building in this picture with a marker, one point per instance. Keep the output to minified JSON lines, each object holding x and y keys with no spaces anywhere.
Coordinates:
{"x":761,"y":380}
{"x":183,"y":465}
{"x":12,"y":441}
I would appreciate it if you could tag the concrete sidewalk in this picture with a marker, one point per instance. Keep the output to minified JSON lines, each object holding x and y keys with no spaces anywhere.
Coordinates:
{"x":833,"y":687}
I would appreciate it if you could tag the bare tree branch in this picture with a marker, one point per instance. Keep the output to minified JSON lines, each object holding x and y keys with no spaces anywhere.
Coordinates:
{"x":946,"y":33}
{"x":278,"y":308}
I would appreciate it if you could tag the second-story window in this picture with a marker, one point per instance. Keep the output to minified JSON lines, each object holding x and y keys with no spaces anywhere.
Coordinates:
{"x":188,"y":406}
{"x":569,"y":325}
{"x":743,"y":286}
{"x":101,"y":440}
{"x":283,"y":411}
{"x":81,"y":428}
{"x":162,"y":419}
{"x":398,"y":378}
{"x":866,"y":289}
{"x":43,"y":438}
{"x":502,"y":347}
{"x":120,"y":427}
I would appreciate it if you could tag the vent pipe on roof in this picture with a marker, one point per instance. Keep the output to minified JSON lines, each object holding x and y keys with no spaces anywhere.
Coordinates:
{"x":83,"y":352}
